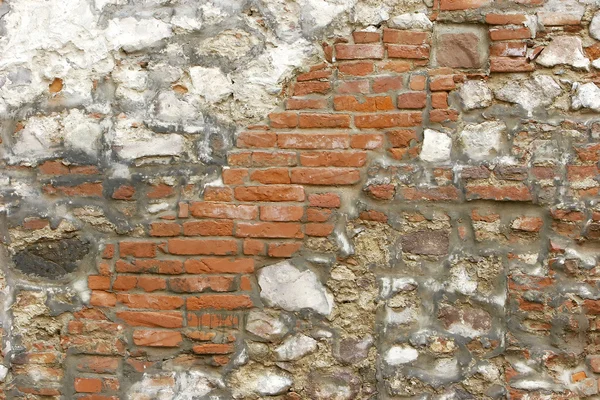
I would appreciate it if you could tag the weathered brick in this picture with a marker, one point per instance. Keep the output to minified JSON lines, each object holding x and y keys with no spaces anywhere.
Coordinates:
{"x":281,"y":213}
{"x":313,"y":140}
{"x":412,"y":100}
{"x":325,"y":176}
{"x":219,"y":302}
{"x":365,"y":104}
{"x":388,"y":120}
{"x":324,"y":121}
{"x":358,"y":51}
{"x":223,"y":211}
{"x":333,"y":158}
{"x":219,"y":247}
{"x":213,"y":265}
{"x":154,"y":338}
{"x":269,"y":229}
{"x":270,"y":193}
{"x":408,"y":51}
{"x":152,"y":319}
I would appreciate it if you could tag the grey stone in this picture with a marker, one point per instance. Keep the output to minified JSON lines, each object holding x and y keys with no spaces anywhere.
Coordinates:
{"x":595,"y":26}
{"x":295,"y":347}
{"x":586,"y":96}
{"x":333,"y":386}
{"x":564,"y":50}
{"x":436,"y":148}
{"x":266,"y":326}
{"x":353,"y":350}
{"x":433,"y":243}
{"x":51,"y":259}
{"x":283,"y":285}
{"x":475,"y":94}
{"x":539,"y":91}
{"x":465,"y":321}
{"x":481,"y":141}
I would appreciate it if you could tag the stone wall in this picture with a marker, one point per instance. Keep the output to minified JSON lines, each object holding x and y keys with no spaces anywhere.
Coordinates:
{"x":307,"y":199}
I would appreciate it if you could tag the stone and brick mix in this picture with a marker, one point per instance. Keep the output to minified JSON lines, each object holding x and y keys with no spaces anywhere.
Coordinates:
{"x":411,"y":214}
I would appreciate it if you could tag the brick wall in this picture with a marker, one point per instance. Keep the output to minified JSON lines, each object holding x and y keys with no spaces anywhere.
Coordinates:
{"x":419,"y":218}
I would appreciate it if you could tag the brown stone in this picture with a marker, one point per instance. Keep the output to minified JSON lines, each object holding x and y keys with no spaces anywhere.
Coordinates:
{"x":458,"y":50}
{"x":433,"y":243}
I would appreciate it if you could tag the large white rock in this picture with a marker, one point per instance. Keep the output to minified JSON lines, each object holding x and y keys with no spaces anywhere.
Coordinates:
{"x":587,"y":96}
{"x":131,"y":34}
{"x":283,"y":285}
{"x":211,"y":83}
{"x":530,"y":94}
{"x":411,"y":21}
{"x":475,"y":94}
{"x":295,"y":347}
{"x":398,"y":355}
{"x":483,"y":140}
{"x":436,"y":146}
{"x":564,"y":50}
{"x":254,"y":379}
{"x":81,"y":132}
{"x":130,"y":143}
{"x":595,"y":26}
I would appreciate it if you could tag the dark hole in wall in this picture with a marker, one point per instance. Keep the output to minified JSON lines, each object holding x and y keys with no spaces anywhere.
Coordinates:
{"x":52,"y":259}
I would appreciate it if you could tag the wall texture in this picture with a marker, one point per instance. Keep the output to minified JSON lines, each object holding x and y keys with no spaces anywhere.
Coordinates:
{"x":299,"y":199}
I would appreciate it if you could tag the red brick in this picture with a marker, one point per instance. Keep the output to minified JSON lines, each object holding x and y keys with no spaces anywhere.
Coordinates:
{"x":88,"y":189}
{"x":253,"y":247}
{"x":398,"y":66}
{"x":164,"y":229}
{"x":278,"y":158}
{"x":283,"y":249}
{"x":153,"y":338}
{"x":385,"y":84}
{"x":405,"y":37}
{"x":388,"y":120}
{"x":316,"y":229}
{"x":102,"y":299}
{"x":318,"y":214}
{"x":418,"y":82}
{"x":322,"y":74}
{"x":156,"y":266}
{"x":353,"y":87}
{"x":305,"y":104}
{"x":219,"y":302}
{"x":88,"y":385}
{"x":325,"y":176}
{"x":54,"y":167}
{"x":271,"y":176}
{"x":505,"y":19}
{"x":509,"y":49}
{"x":219,"y":265}
{"x":502,"y":193}
{"x":219,"y":247}
{"x":215,"y":193}
{"x":510,"y":34}
{"x":223,"y":211}
{"x":372,"y":215}
{"x":443,"y":115}
{"x":234,"y":176}
{"x":137,"y":249}
{"x":256,"y":139}
{"x":412,"y":100}
{"x":366,"y":37}
{"x":401,"y":137}
{"x":152,"y":319}
{"x":358,"y":51}
{"x":304,"y":88}
{"x":125,"y":283}
{"x":324,"y":121}
{"x":151,"y":283}
{"x":97,"y":282}
{"x":269,"y":230}
{"x":367,"y":141}
{"x":313,"y":140}
{"x":208,"y":228}
{"x":213,"y":348}
{"x":510,"y":64}
{"x":452,"y":5}
{"x":333,"y":158}
{"x":97,"y":364}
{"x":281,"y":213}
{"x":283,"y":120}
{"x":443,"y":193}
{"x":361,"y":68}
{"x":124,"y":192}
{"x":439,"y":100}
{"x":325,"y":200}
{"x":528,"y":224}
{"x":150,"y":301}
{"x":364,"y":104}
{"x":198,"y":284}
{"x":270,"y":193}
{"x":160,"y":191}
{"x":408,"y":51}
{"x":246,"y":283}
{"x":444,"y":82}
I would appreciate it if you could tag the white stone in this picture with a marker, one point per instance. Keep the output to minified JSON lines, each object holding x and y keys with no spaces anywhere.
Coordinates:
{"x":266,"y":326}
{"x":367,"y":14}
{"x":475,"y":94}
{"x":173,"y":112}
{"x":131,"y":143}
{"x":483,"y":140}
{"x":411,"y":21}
{"x":40,"y":137}
{"x":398,"y":355}
{"x":131,"y":34}
{"x":595,"y":26}
{"x":564,"y":50}
{"x":295,"y":347}
{"x":211,"y":83}
{"x":253,"y":379}
{"x":3,"y":373}
{"x":437,"y":146}
{"x":283,"y":285}
{"x":530,"y":94}
{"x":81,"y":132}
{"x":587,"y":96}
{"x":391,"y":286}
{"x":460,"y":281}
{"x":569,"y":9}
